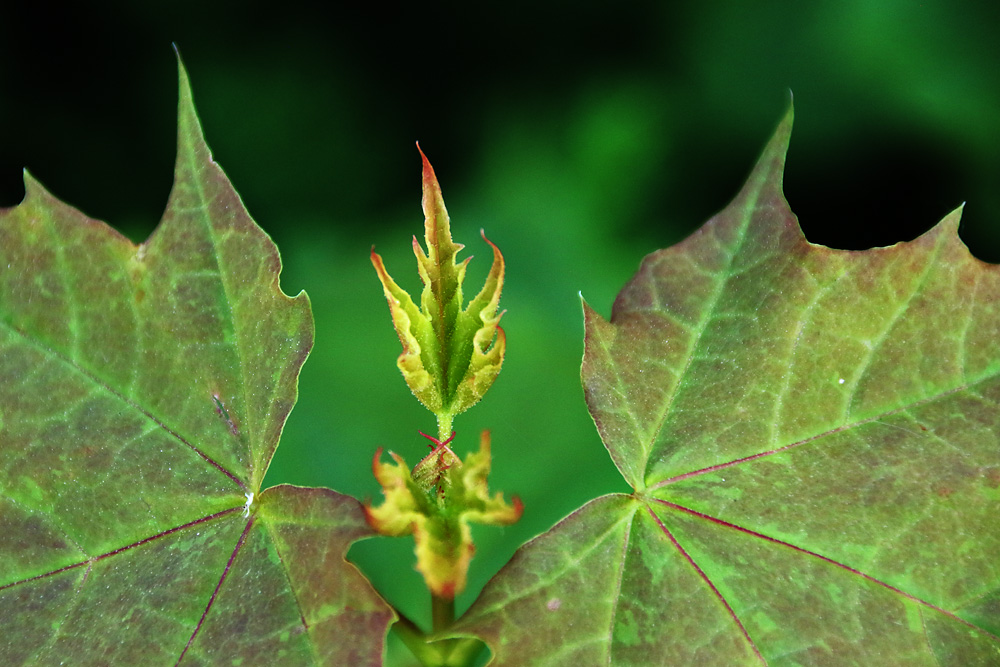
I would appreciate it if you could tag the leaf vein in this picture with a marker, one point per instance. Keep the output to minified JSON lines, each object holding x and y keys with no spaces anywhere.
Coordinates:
{"x":722,"y":280}
{"x":865,"y":366}
{"x":704,"y":577}
{"x":832,"y":431}
{"x":223,"y":284}
{"x":225,"y":573}
{"x":853,"y":570}
{"x":74,"y":366}
{"x":618,"y":587}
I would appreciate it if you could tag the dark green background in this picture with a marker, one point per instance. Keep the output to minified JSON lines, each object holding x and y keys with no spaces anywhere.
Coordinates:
{"x":580,"y":135}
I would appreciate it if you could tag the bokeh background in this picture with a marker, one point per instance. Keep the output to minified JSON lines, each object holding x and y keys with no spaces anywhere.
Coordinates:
{"x":580,"y":135}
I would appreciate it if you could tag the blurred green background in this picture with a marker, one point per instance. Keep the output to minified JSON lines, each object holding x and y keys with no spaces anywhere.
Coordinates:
{"x":580,"y":135}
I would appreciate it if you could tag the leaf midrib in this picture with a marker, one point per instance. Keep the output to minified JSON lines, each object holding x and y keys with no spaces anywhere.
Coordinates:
{"x":709,"y":311}
{"x":192,"y":166}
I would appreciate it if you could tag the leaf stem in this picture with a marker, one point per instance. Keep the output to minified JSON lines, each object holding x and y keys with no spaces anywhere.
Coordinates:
{"x":416,"y":641}
{"x":462,"y":652}
{"x":442,"y":613}
{"x":459,"y":652}
{"x":444,"y":425}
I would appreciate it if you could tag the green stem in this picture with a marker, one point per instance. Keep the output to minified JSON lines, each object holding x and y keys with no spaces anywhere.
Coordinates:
{"x":415,"y":640}
{"x":442,"y":613}
{"x":444,"y":426}
{"x":460,"y":652}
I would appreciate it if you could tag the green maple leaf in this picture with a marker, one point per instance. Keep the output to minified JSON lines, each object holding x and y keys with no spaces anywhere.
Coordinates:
{"x":143,"y":390}
{"x":813,"y":436}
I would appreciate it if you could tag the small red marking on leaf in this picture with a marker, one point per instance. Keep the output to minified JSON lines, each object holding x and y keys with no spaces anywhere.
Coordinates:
{"x":220,"y":409}
{"x":944,"y":491}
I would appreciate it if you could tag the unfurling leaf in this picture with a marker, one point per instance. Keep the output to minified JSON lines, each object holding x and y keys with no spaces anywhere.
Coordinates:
{"x":438,"y":511}
{"x":450,"y":356}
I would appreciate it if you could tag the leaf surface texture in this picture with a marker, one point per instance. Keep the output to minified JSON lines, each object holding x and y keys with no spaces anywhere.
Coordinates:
{"x":813,"y":436}
{"x":144,"y":389}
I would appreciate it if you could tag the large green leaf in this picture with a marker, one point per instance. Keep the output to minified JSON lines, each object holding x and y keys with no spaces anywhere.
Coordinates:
{"x":813,"y":436}
{"x":143,"y":390}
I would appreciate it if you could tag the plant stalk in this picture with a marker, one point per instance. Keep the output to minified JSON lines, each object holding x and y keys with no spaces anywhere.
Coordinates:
{"x":415,"y":640}
{"x":459,"y":652}
{"x":444,"y":426}
{"x":442,"y":613}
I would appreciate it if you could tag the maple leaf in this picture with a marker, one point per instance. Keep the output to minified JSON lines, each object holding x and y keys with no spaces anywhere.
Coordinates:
{"x":813,"y":436}
{"x":143,"y":390}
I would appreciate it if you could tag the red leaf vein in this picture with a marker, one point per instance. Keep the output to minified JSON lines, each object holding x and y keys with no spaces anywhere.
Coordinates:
{"x":90,"y":561}
{"x":826,"y":559}
{"x":704,"y":577}
{"x":218,"y":587}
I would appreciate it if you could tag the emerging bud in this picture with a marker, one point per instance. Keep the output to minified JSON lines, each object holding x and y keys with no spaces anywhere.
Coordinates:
{"x":438,"y":510}
{"x":450,"y":355}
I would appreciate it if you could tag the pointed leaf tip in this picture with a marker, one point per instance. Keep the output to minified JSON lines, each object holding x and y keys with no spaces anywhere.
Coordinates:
{"x":777,"y":148}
